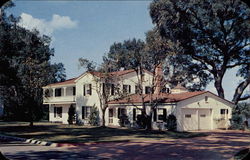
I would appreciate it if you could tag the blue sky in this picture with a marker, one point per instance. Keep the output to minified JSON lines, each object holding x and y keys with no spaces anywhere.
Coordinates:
{"x":88,"y":28}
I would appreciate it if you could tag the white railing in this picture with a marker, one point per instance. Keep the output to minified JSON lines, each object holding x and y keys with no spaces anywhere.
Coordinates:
{"x":59,"y":99}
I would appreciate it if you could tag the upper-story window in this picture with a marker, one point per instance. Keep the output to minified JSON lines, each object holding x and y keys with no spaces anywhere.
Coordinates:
{"x":58,"y":92}
{"x":138,"y":90}
{"x":48,"y":93}
{"x":74,"y":91}
{"x":147,"y":90}
{"x":126,"y":89}
{"x":87,"y":89}
{"x":223,"y":111}
{"x":108,"y":88}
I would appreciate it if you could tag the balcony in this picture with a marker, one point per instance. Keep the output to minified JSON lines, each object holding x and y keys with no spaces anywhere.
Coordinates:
{"x":62,"y":99}
{"x":61,"y":95}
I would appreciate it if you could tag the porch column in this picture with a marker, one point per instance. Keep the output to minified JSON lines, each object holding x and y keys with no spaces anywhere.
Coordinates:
{"x":53,"y":92}
{"x":64,"y":91}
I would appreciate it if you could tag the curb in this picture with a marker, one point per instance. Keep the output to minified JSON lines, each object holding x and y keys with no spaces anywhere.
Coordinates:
{"x":33,"y":141}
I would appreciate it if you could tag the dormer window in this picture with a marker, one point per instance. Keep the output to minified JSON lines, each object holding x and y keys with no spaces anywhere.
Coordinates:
{"x":87,"y":89}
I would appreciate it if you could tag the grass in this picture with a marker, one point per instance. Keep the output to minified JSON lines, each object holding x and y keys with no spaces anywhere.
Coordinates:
{"x":81,"y":134}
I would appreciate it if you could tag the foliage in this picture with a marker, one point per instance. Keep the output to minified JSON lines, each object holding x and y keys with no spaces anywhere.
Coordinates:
{"x":215,"y":34}
{"x":123,"y":120}
{"x":24,"y":68}
{"x":71,"y":114}
{"x":171,"y":123}
{"x":240,"y":113}
{"x":94,"y":116}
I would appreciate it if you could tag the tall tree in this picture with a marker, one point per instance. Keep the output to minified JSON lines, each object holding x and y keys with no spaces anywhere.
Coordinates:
{"x":25,"y":68}
{"x":177,"y":68}
{"x":215,"y":34}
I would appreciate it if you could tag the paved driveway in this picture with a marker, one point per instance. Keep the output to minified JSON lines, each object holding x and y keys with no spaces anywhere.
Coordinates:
{"x":219,"y":145}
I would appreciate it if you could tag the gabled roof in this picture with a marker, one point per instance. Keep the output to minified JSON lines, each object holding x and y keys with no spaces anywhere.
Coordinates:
{"x":67,"y":82}
{"x":162,"y":98}
{"x":117,"y":73}
{"x":98,"y":74}
{"x":179,"y":86}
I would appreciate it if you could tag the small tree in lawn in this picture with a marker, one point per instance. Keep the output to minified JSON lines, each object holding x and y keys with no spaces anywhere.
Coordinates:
{"x":71,"y":114}
{"x":94,"y":116}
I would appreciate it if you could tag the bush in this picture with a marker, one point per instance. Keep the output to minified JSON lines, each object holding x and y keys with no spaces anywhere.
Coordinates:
{"x":123,"y":120}
{"x":94,"y":117}
{"x":171,"y":123}
{"x":71,"y":114}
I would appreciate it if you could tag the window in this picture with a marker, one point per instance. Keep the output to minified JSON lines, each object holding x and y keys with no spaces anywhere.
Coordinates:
{"x":86,"y":112}
{"x":126,"y":89}
{"x":134,"y":114}
{"x":162,"y":114}
{"x":137,"y":89}
{"x":58,"y":112}
{"x":121,"y":112}
{"x":202,"y":115}
{"x":224,"y":111}
{"x":87,"y":89}
{"x":58,"y":92}
{"x":108,"y":88}
{"x":206,"y":99}
{"x":147,"y":90}
{"x":167,"y":90}
{"x":74,"y":91}
{"x":47,"y":93}
{"x":187,"y":115}
{"x":112,"y":92}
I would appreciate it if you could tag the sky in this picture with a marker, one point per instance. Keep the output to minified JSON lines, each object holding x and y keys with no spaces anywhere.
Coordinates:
{"x":88,"y":28}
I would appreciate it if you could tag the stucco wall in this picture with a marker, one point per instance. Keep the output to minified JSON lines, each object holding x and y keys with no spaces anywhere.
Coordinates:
{"x":198,"y":102}
{"x":64,"y":118}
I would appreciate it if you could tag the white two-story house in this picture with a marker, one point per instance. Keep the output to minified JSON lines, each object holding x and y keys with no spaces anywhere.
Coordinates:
{"x":193,"y":110}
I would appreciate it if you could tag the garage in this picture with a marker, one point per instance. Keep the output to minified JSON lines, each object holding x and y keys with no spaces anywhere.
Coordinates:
{"x":196,"y":119}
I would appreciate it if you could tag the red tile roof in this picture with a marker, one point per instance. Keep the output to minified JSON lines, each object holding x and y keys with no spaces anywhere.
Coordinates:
{"x":98,"y":74}
{"x":69,"y":81}
{"x":162,"y":98}
{"x":117,"y":73}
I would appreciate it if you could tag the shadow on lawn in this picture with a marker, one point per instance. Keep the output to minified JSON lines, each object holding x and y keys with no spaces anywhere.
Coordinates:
{"x":79,"y":134}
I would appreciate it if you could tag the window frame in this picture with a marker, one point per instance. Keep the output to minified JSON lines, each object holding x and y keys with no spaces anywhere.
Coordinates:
{"x":85,"y":112}
{"x":58,"y":112}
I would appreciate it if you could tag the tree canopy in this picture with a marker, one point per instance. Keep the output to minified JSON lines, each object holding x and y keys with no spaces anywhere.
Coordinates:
{"x":24,"y":68}
{"x":215,"y":34}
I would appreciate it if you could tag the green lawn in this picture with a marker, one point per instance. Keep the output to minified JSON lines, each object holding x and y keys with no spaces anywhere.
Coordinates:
{"x":80,"y":134}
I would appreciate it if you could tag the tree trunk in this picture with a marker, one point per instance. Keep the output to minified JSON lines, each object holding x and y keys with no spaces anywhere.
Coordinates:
{"x":103,"y":117}
{"x":239,"y":91}
{"x":218,"y":86}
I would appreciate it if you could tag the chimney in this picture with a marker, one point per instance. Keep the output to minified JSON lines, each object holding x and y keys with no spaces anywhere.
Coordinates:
{"x":158,"y":79}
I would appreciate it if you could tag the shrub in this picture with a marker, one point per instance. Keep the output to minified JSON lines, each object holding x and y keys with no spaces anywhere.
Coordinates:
{"x":71,"y":114}
{"x":123,"y":120}
{"x":94,"y":117}
{"x":171,"y":123}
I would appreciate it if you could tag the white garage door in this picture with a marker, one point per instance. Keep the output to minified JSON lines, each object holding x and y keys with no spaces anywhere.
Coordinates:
{"x":196,"y":119}
{"x":204,"y":119}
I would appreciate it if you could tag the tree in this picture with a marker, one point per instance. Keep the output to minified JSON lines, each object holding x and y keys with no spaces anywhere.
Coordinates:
{"x":25,"y":68}
{"x":215,"y":34}
{"x":177,"y":68}
{"x":71,"y":114}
